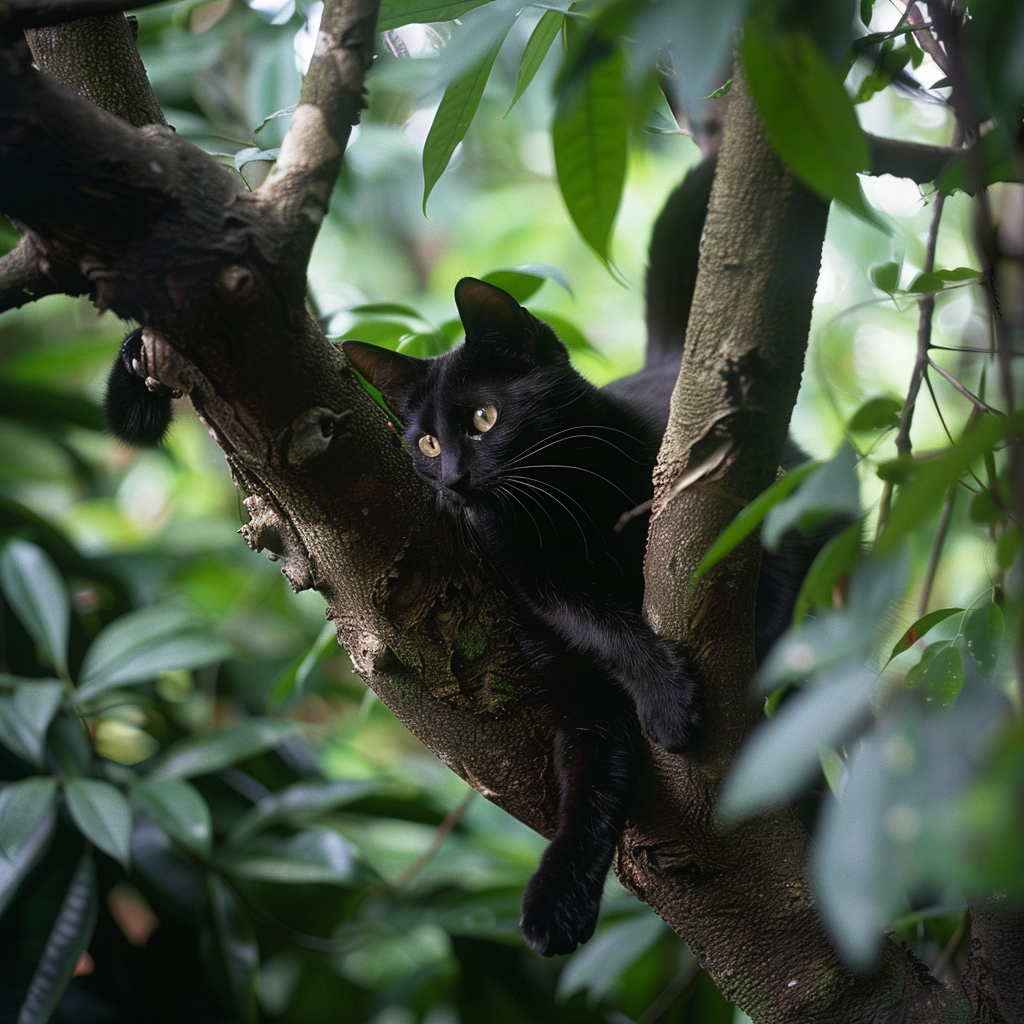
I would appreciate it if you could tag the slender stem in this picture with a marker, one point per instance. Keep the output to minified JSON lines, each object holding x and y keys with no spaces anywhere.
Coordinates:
{"x":936,"y":552}
{"x":966,"y":392}
{"x":443,"y":831}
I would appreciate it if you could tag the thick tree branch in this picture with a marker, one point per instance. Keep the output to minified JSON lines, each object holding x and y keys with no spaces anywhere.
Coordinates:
{"x":24,"y":14}
{"x":300,"y":183}
{"x":26,"y":275}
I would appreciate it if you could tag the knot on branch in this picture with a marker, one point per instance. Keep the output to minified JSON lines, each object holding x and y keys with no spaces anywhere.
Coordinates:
{"x":268,"y":530}
{"x":237,"y":282}
{"x":312,"y":432}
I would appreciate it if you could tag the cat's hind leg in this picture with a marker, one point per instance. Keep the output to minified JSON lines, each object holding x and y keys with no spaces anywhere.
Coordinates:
{"x":597,"y":779}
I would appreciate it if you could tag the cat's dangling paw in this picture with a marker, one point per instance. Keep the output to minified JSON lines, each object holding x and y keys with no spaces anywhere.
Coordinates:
{"x":673,"y":714}
{"x":559,"y":910}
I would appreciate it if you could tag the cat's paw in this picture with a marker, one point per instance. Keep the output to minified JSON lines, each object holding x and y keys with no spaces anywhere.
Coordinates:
{"x":557,"y":914}
{"x":673,"y":713}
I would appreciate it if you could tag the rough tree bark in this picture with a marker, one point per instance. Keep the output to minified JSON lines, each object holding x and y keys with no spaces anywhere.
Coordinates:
{"x":154,"y":230}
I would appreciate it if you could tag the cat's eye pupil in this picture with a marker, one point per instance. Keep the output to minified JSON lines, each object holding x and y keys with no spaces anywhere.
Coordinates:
{"x":484,"y":418}
{"x":430,"y":446}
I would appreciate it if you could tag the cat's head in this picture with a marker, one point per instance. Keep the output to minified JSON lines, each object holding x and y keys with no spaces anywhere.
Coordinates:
{"x":466,"y":415}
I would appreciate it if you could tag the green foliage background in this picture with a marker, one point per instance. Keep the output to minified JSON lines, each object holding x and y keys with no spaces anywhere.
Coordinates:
{"x":193,"y":769}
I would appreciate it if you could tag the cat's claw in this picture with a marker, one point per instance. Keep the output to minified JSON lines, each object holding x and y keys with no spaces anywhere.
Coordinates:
{"x":557,"y":916}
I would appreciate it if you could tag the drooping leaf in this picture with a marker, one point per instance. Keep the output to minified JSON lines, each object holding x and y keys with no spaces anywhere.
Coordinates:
{"x":983,"y":636}
{"x":69,"y":938}
{"x":142,"y":644}
{"x":880,"y":413}
{"x":293,"y":678}
{"x":38,"y":596}
{"x":207,"y":753}
{"x":236,"y":943}
{"x":943,"y":679}
{"x":920,"y":629}
{"x":315,"y":855}
{"x":935,"y":280}
{"x":833,"y":769}
{"x":178,"y":808}
{"x":396,"y":13}
{"x":544,"y":34}
{"x":27,"y":818}
{"x":453,"y":117}
{"x":102,"y":815}
{"x":807,"y":113}
{"x":885,"y":276}
{"x":831,"y":568}
{"x":26,"y":714}
{"x":589,"y":138}
{"x":525,"y":280}
{"x":748,"y":520}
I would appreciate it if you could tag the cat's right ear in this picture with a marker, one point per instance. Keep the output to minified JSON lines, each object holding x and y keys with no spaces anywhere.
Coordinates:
{"x":394,"y":375}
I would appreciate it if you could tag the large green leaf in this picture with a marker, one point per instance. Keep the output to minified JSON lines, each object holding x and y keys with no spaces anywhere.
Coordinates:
{"x":524,"y":281}
{"x":27,"y":817}
{"x":68,"y":940}
{"x":39,"y":597}
{"x":396,"y":13}
{"x":453,"y":118}
{"x":178,"y":808}
{"x":589,"y":138}
{"x":205,"y":754}
{"x":141,"y":645}
{"x":807,"y":113}
{"x":25,"y":715}
{"x":102,"y":814}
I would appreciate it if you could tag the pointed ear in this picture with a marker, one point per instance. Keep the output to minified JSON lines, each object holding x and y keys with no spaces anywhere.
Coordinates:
{"x":391,"y":373}
{"x":491,"y":316}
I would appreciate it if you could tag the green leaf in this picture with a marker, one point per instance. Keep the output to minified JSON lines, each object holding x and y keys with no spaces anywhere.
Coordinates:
{"x":178,"y":808}
{"x":142,"y":644}
{"x":26,"y":715}
{"x":293,"y":678}
{"x":570,"y":334}
{"x":316,"y":855}
{"x":807,"y":113}
{"x":236,"y":942}
{"x":936,"y":280}
{"x":1007,"y":545}
{"x":831,"y":490}
{"x":983,"y":637}
{"x":543,"y":35}
{"x":881,"y":413}
{"x":865,"y":10}
{"x":885,"y":276}
{"x":596,"y":967}
{"x":206,"y":754}
{"x":453,"y":118}
{"x":920,"y":628}
{"x":944,"y":677}
{"x":833,"y":563}
{"x":39,"y":597}
{"x":253,"y":154}
{"x":102,"y":815}
{"x":749,"y":519}
{"x":833,"y":769}
{"x":918,"y":499}
{"x":27,"y":818}
{"x":396,"y":13}
{"x":68,"y":940}
{"x":781,"y":757}
{"x":523,"y":281}
{"x":298,"y":802}
{"x":283,"y":112}
{"x":589,"y":138}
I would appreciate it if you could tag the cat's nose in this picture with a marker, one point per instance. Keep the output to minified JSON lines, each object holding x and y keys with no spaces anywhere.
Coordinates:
{"x":456,"y":481}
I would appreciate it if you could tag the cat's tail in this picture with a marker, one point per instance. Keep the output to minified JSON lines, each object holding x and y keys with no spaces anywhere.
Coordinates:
{"x":672,"y":263}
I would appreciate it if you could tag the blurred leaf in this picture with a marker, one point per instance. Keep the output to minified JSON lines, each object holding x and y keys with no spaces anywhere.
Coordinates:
{"x":27,"y":817}
{"x":396,"y":13}
{"x":293,"y":678}
{"x":453,"y":118}
{"x":178,"y":808}
{"x":596,"y":967}
{"x":833,"y":769}
{"x":69,"y":938}
{"x":102,"y":814}
{"x":943,"y":679}
{"x":920,"y":629}
{"x":888,"y":65}
{"x":780,"y":758}
{"x":142,"y":644}
{"x":544,"y":34}
{"x":920,"y":498}
{"x":236,"y":942}
{"x":997,"y":162}
{"x":209,"y":753}
{"x":589,"y":138}
{"x":396,"y":309}
{"x":568,"y":332}
{"x":254,"y":154}
{"x":747,"y":521}
{"x":831,"y":567}
{"x":26,"y":715}
{"x":885,"y":276}
{"x":879,"y":413}
{"x":983,"y":636}
{"x":1008,"y":545}
{"x":807,"y":113}
{"x":935,"y":280}
{"x":297,"y":802}
{"x":315,"y":855}
{"x":284,"y":112}
{"x":38,"y":596}
{"x":44,"y":406}
{"x":831,"y":491}
{"x":523,"y":281}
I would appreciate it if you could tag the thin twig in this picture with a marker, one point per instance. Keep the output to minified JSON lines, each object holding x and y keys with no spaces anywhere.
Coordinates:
{"x":966,"y":392}
{"x":671,"y":993}
{"x":442,"y":833}
{"x":936,"y":552}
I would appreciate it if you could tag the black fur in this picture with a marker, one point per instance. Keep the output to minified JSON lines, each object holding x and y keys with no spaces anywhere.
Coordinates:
{"x":134,"y":413}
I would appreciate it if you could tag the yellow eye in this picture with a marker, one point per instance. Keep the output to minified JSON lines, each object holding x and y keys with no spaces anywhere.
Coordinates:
{"x":430,"y":446}
{"x":484,"y":418}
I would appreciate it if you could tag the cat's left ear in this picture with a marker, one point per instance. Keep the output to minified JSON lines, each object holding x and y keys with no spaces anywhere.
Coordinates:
{"x":394,"y":375}
{"x":493,"y":317}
